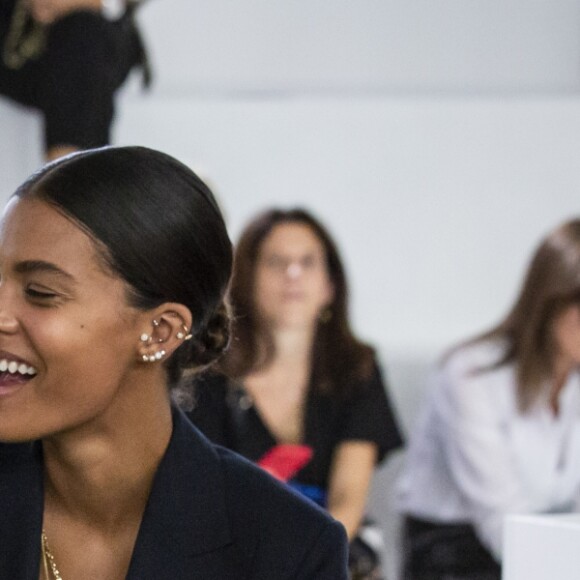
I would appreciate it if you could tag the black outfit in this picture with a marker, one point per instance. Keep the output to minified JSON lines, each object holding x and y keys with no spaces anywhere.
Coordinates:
{"x":436,"y":551}
{"x":224,"y":412}
{"x":73,"y":82}
{"x":210,"y":515}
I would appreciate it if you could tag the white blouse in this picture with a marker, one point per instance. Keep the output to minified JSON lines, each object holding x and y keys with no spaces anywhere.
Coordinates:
{"x":473,"y":457}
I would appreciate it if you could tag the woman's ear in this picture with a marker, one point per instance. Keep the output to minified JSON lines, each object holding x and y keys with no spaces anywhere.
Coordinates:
{"x":165,"y":329}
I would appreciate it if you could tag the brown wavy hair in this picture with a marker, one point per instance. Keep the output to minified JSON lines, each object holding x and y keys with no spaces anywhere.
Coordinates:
{"x":339,"y":359}
{"x":551,"y":284}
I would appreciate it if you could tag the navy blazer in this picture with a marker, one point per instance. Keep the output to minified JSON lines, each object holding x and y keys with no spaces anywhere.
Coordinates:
{"x":211,"y":515}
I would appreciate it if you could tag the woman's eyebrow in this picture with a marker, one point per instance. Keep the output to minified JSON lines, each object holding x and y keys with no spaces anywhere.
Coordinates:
{"x":32,"y":266}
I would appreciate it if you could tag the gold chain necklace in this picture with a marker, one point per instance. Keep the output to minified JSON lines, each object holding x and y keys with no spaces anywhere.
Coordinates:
{"x":25,"y":40}
{"x":48,"y":560}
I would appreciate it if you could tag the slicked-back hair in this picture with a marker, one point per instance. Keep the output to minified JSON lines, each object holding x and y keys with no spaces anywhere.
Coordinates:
{"x":156,"y":225}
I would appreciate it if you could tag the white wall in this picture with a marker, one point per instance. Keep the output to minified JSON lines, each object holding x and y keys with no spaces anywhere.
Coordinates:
{"x":365,"y":45}
{"x":20,"y":146}
{"x":438,"y":140}
{"x":437,"y":203}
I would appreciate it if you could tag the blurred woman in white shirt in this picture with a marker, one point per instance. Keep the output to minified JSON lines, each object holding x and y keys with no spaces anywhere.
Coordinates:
{"x":500,"y":430}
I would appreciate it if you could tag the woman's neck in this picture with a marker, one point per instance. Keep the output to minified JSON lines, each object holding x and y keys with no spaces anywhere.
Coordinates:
{"x":102,"y":474}
{"x":292,"y":348}
{"x":563,"y":366}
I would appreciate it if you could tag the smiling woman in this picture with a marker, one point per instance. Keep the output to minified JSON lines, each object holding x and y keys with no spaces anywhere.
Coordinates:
{"x":114,"y":265}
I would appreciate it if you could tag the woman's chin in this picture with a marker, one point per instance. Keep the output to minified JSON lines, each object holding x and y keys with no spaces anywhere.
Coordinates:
{"x":294,"y":323}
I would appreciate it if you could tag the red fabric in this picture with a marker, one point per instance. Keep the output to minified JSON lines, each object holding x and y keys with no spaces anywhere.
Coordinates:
{"x":283,"y":461}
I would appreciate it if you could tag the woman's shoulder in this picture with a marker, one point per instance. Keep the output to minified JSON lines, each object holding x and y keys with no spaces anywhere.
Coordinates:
{"x":368,"y":378}
{"x":207,"y":499}
{"x":473,"y":358}
{"x":474,"y":374}
{"x":244,"y":479}
{"x":207,"y":391}
{"x":299,"y":534}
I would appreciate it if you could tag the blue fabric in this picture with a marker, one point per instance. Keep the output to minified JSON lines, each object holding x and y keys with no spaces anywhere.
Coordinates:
{"x":312,"y":492}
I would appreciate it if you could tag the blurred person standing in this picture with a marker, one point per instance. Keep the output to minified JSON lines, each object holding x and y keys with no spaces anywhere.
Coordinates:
{"x":67,"y":58}
{"x":500,"y":429}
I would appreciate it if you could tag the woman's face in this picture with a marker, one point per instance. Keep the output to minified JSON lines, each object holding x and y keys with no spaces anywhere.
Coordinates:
{"x":566,"y":332}
{"x":67,"y":336}
{"x":292,"y":285}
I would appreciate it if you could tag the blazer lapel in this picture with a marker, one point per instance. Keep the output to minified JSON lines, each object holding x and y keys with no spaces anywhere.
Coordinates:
{"x":185,"y":517}
{"x":186,"y":514}
{"x":21,"y":507}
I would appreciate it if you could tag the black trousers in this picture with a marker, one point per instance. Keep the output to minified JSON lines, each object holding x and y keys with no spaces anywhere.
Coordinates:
{"x":73,"y":83}
{"x":434,"y":551}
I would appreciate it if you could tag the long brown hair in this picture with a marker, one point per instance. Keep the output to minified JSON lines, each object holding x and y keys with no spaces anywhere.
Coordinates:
{"x":551,"y":283}
{"x":339,"y":360}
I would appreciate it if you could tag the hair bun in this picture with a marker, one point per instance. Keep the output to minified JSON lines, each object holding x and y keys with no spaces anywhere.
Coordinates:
{"x":209,"y":343}
{"x":195,"y":355}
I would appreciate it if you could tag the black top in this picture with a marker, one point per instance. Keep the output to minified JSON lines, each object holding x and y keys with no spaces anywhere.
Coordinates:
{"x":225,"y":413}
{"x":210,"y":515}
{"x":74,"y":80}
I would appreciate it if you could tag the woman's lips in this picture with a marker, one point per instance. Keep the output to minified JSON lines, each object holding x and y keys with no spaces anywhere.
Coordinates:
{"x":293,"y":296}
{"x":11,"y":384}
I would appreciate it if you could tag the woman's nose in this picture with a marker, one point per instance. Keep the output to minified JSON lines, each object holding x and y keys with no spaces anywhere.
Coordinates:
{"x":294,"y":270}
{"x":8,"y":322}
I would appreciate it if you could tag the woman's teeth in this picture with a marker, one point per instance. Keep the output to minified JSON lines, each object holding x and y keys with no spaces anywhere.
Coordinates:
{"x":13,"y":367}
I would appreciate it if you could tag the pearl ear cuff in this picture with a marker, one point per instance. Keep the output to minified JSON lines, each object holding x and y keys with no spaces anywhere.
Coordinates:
{"x":153,"y":357}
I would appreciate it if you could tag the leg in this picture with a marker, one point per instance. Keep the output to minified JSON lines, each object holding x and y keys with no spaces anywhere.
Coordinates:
{"x":22,"y":84}
{"x":434,"y":551}
{"x":57,"y":151}
{"x":86,"y":60}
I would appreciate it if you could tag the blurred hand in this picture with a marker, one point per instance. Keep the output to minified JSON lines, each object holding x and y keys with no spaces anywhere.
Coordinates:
{"x":49,"y":11}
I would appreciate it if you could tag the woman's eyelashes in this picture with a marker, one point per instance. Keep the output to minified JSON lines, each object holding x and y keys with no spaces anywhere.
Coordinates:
{"x":281,"y":263}
{"x":41,"y":293}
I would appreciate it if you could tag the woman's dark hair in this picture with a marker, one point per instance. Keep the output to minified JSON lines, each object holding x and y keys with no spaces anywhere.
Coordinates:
{"x":552,"y":283}
{"x":158,"y":227}
{"x":339,"y":359}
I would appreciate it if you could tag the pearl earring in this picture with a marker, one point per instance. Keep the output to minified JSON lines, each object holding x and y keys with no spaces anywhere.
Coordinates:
{"x":146,"y":337}
{"x":183,"y":335}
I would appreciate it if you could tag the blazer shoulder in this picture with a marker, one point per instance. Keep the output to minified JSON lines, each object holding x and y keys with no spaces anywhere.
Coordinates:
{"x":286,"y":534}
